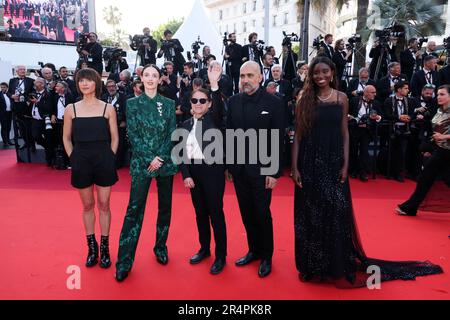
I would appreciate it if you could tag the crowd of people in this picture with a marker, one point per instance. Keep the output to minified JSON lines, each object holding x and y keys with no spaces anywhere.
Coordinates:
{"x":403,"y":117}
{"x":45,"y":20}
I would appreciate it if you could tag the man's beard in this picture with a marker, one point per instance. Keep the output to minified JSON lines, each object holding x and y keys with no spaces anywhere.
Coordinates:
{"x":249,"y":89}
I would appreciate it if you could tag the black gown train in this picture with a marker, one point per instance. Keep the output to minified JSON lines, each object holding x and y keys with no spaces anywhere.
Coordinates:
{"x":327,"y":243}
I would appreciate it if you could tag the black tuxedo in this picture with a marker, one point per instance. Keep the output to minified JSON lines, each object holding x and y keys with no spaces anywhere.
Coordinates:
{"x":5,"y":119}
{"x":354,"y":84}
{"x":246,"y":53}
{"x":39,"y":132}
{"x":148,"y":55}
{"x":328,"y":50}
{"x":259,"y":111}
{"x":95,"y":58}
{"x":384,"y":87}
{"x":234,"y":64}
{"x":21,"y":108}
{"x":408,"y":63}
{"x":174,"y":54}
{"x":444,"y":75}
{"x":425,"y":54}
{"x":266,"y":72}
{"x":68,"y":99}
{"x":419,"y":80}
{"x":72,"y":86}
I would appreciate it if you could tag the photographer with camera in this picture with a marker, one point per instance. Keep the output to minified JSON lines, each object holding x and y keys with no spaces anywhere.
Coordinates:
{"x":271,"y":50}
{"x":364,"y":114}
{"x":186,"y":78}
{"x":326,"y":44}
{"x":301,"y":76}
{"x":225,"y":82}
{"x":40,"y":101}
{"x":428,"y":75}
{"x":91,"y":52}
{"x":254,"y":50}
{"x":233,"y":57}
{"x":382,"y":54}
{"x":356,"y":86}
{"x":385,"y":86}
{"x":168,"y":87}
{"x":50,"y":79}
{"x":288,"y":57}
{"x":430,"y":50}
{"x":411,"y":58}
{"x":267,"y":60}
{"x":399,"y":109}
{"x":145,"y":46}
{"x":171,"y":49}
{"x":115,"y":62}
{"x":341,"y":57}
{"x":64,"y":76}
{"x":124,"y":84}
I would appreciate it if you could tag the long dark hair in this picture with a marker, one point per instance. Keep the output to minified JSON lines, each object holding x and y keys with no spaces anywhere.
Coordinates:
{"x":304,"y":110}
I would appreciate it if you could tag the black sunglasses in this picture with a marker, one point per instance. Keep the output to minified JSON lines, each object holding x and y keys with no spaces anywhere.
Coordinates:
{"x":202,"y":101}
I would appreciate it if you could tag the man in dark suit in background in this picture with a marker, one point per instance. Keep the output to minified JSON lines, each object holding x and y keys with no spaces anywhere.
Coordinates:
{"x":251,"y":52}
{"x":253,"y":110}
{"x":356,"y":86}
{"x":172,"y":50}
{"x":385,"y":86}
{"x":5,"y":115}
{"x":428,"y":75}
{"x":444,"y":75}
{"x":233,"y":55}
{"x":411,"y":58}
{"x":328,"y":46}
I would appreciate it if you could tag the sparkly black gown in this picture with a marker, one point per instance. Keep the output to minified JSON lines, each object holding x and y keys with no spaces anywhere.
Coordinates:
{"x":327,"y":244}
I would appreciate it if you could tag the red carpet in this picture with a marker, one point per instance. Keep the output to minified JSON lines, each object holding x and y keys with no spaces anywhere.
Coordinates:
{"x":42,"y":235}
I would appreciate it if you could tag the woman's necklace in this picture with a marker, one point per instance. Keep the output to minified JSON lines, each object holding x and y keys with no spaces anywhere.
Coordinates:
{"x":324,"y":100}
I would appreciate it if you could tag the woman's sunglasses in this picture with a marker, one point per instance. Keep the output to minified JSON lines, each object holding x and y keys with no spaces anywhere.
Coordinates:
{"x":201,"y":101}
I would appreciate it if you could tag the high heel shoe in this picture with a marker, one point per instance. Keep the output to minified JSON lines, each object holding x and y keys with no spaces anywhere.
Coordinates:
{"x":92,"y":258}
{"x":105,"y":259}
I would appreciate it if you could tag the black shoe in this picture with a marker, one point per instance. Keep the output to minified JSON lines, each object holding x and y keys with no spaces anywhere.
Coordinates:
{"x":11,"y":143}
{"x":250,"y":257}
{"x":121,"y":275}
{"x":402,"y":212}
{"x":364,"y":178}
{"x":265,"y":268}
{"x":200,"y":256}
{"x":92,"y":258}
{"x":218,"y":266}
{"x":162,"y":258}
{"x":105,"y":259}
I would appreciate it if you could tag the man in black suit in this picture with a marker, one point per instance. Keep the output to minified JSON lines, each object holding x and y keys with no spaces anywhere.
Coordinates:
{"x":428,"y":75}
{"x":147,"y":52}
{"x":172,"y":50}
{"x":118,"y":101}
{"x":385,"y":86}
{"x":399,"y":109}
{"x":356,"y":86}
{"x":444,"y":75}
{"x":254,"y":110}
{"x":5,"y":115}
{"x":382,"y":54}
{"x":410,"y":59}
{"x":430,"y":50}
{"x":93,"y":53}
{"x":365,"y":113}
{"x":267,"y":68}
{"x":328,"y":46}
{"x":251,"y":52}
{"x":72,"y":87}
{"x":19,"y":90}
{"x":40,"y":102}
{"x":233,"y":55}
{"x":284,"y":87}
{"x":340,"y":58}
{"x":168,"y":87}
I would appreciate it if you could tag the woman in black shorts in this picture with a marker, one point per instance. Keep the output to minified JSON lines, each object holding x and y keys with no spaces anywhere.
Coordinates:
{"x":91,"y":140}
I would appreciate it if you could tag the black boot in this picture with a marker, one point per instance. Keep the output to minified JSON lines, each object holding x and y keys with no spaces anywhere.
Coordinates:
{"x":92,"y":258}
{"x":105,"y":259}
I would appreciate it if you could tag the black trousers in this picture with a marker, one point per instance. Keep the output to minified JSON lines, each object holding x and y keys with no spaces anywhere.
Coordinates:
{"x":413,"y":154}
{"x":122,"y":148}
{"x":207,"y":197}
{"x":359,"y":150}
{"x":23,"y":129}
{"x":254,"y":203}
{"x":43,"y":137}
{"x":398,"y":149}
{"x":235,"y":78}
{"x":5,"y":123}
{"x":437,"y":164}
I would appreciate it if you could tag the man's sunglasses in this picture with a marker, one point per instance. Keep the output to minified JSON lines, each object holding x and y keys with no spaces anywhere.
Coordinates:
{"x":202,"y":101}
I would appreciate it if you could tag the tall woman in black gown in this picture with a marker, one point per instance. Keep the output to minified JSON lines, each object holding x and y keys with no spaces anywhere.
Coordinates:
{"x":327,"y":244}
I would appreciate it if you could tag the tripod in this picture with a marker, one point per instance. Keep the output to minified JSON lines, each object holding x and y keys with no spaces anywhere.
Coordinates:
{"x":384,"y":57}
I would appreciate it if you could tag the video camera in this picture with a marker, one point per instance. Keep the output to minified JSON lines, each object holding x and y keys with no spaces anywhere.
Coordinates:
{"x":196,"y":46}
{"x":289,"y":38}
{"x":138,"y":41}
{"x":82,"y":42}
{"x":225,"y":39}
{"x":447,"y":43}
{"x":384,"y":35}
{"x":356,"y":38}
{"x":259,"y":45}
{"x":113,"y":54}
{"x":318,"y":42}
{"x":167,"y":44}
{"x":421,"y":42}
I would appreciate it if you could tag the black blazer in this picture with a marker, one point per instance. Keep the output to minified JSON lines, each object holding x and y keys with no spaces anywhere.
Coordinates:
{"x":390,"y":111}
{"x":20,"y":107}
{"x":444,"y":75}
{"x":213,"y":119}
{"x":246,"y":55}
{"x":235,"y":60}
{"x":354,"y":106}
{"x":69,"y":99}
{"x":327,"y":50}
{"x":119,"y":105}
{"x":407,"y":63}
{"x":353,"y":86}
{"x":45,"y":105}
{"x":2,"y":104}
{"x":384,"y":87}
{"x":418,"y":81}
{"x":340,"y":63}
{"x":268,"y":114}
{"x":72,"y":86}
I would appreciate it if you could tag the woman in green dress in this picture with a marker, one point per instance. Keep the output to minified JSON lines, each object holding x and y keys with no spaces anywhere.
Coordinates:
{"x":151,"y":121}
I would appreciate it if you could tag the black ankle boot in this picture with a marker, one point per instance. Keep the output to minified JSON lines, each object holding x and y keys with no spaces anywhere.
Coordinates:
{"x":105,"y":259}
{"x":92,"y":258}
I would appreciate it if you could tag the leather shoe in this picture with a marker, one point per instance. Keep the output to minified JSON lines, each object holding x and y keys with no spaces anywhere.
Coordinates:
{"x":218,"y":266}
{"x":162,"y":259}
{"x":265,"y":268}
{"x":200,"y":256}
{"x":250,"y":257}
{"x":121,"y":275}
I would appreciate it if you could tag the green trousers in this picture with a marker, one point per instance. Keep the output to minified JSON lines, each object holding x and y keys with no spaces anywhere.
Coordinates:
{"x":132,"y":224}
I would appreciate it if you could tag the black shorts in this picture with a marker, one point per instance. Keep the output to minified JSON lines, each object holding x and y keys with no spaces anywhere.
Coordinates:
{"x":93,"y":163}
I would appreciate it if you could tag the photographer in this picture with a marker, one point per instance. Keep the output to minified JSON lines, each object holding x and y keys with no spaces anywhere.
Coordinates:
{"x":430,"y":50}
{"x":168,"y":87}
{"x":137,"y":88}
{"x":146,"y":47}
{"x":225,"y":83}
{"x":172,"y":49}
{"x":92,"y":53}
{"x":428,"y":75}
{"x":40,"y":102}
{"x":444,"y":75}
{"x":253,"y":51}
{"x":411,"y":58}
{"x":118,"y":101}
{"x":124,"y":84}
{"x":233,"y":56}
{"x":382,"y":53}
{"x":267,"y":68}
{"x":364,"y":114}
{"x":64,"y":76}
{"x":327,"y":45}
{"x":385,"y":86}
{"x":186,"y":78}
{"x":115,"y":62}
{"x":50,"y":81}
{"x":271,"y":50}
{"x":341,"y":57}
{"x":399,"y":109}
{"x":356,"y":86}
{"x":302,"y":74}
